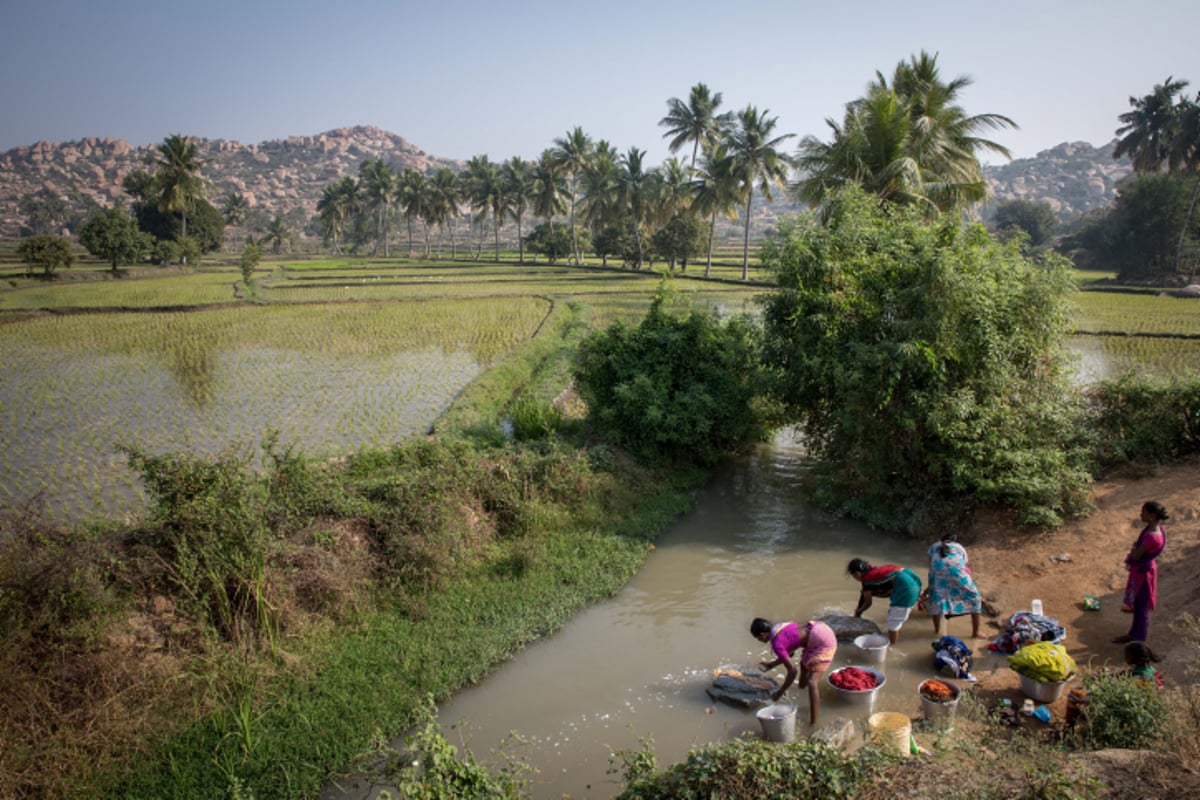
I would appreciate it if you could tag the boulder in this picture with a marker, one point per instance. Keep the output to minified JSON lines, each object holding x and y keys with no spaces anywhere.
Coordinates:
{"x":744,"y":688}
{"x":848,"y":627}
{"x":1192,"y":290}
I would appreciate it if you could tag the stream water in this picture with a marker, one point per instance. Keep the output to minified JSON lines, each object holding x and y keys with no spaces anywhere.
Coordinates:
{"x":635,"y":668}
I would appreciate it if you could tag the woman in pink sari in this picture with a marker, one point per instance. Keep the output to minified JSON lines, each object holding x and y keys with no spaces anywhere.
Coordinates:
{"x":1141,"y":589}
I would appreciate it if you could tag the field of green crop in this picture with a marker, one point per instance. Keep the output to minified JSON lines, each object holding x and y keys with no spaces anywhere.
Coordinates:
{"x":1137,"y":313}
{"x":337,"y":354}
{"x":330,"y":378}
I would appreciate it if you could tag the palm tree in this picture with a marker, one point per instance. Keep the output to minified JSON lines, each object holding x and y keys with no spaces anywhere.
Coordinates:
{"x":278,"y":234}
{"x":177,"y":180}
{"x":695,"y":121}
{"x":549,"y":187}
{"x":486,"y":190}
{"x":870,"y":148}
{"x":573,"y":153}
{"x":234,"y":208}
{"x":1162,"y":132}
{"x":715,"y":191}
{"x":634,"y":185}
{"x":907,"y":141}
{"x":944,"y":139}
{"x":412,"y":196}
{"x":600,"y":198}
{"x":676,"y":190}
{"x":339,"y":202}
{"x":443,"y":201}
{"x":1150,"y":131}
{"x":518,"y":187}
{"x":757,"y":161}
{"x":379,"y":191}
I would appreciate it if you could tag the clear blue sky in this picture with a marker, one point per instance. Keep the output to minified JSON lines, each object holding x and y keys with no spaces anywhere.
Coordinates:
{"x":506,"y":77}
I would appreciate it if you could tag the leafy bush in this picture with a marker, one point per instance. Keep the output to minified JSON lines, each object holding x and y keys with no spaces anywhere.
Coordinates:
{"x":208,"y":527}
{"x":533,"y":420}
{"x":1123,"y":712}
{"x":1137,"y":419}
{"x":674,"y":389}
{"x":251,"y":255}
{"x":47,"y":252}
{"x":926,"y":364}
{"x":748,"y":769}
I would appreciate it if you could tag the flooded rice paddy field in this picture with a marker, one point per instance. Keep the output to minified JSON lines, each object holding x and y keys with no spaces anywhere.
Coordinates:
{"x":330,"y":379}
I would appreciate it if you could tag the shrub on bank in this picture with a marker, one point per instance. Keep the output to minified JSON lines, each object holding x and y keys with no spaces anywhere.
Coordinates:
{"x":750,"y":769}
{"x":1137,"y":419}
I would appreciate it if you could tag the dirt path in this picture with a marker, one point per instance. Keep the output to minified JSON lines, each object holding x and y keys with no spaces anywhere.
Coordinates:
{"x":1086,"y":556}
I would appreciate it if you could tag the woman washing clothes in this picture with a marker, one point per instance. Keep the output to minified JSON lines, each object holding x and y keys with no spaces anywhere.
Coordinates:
{"x":900,"y":584}
{"x":952,"y":591}
{"x":818,"y":645}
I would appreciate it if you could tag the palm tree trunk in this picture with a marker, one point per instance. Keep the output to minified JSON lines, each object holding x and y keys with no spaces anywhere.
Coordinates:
{"x":712,"y":227}
{"x":637,"y":237}
{"x":746,"y":238}
{"x":574,"y":238}
{"x":520,"y":241}
{"x":497,"y":233}
{"x":410,"y":237}
{"x":183,"y":235}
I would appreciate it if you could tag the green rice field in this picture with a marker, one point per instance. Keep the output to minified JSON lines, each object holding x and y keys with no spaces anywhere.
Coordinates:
{"x":334,"y":356}
{"x":340,"y":354}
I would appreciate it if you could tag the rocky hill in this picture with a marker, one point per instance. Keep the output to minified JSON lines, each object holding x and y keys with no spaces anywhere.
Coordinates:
{"x":1074,"y":178}
{"x":286,"y":176}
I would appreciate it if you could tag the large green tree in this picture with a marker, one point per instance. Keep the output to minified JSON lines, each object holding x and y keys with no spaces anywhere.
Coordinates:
{"x":908,"y":140}
{"x":1138,"y":234}
{"x":1036,"y":219}
{"x":758,"y":163}
{"x":47,"y":252}
{"x":925,"y":363}
{"x":177,"y":180}
{"x":1162,"y":133}
{"x":113,"y":236}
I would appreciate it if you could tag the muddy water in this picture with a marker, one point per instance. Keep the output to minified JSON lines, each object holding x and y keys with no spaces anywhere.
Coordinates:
{"x":636,"y":667}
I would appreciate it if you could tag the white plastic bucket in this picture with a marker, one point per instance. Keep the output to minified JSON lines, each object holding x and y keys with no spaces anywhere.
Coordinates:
{"x":891,"y":731}
{"x":778,"y":722}
{"x":939,"y":716}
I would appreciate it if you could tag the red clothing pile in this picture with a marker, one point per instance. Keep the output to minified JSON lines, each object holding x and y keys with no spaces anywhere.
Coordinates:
{"x":854,"y":679}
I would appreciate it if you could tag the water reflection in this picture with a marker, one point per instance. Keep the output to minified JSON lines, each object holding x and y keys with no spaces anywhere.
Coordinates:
{"x":637,"y":665}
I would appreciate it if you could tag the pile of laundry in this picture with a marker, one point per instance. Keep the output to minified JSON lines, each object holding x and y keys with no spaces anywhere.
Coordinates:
{"x":1025,"y":627}
{"x":953,"y":658}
